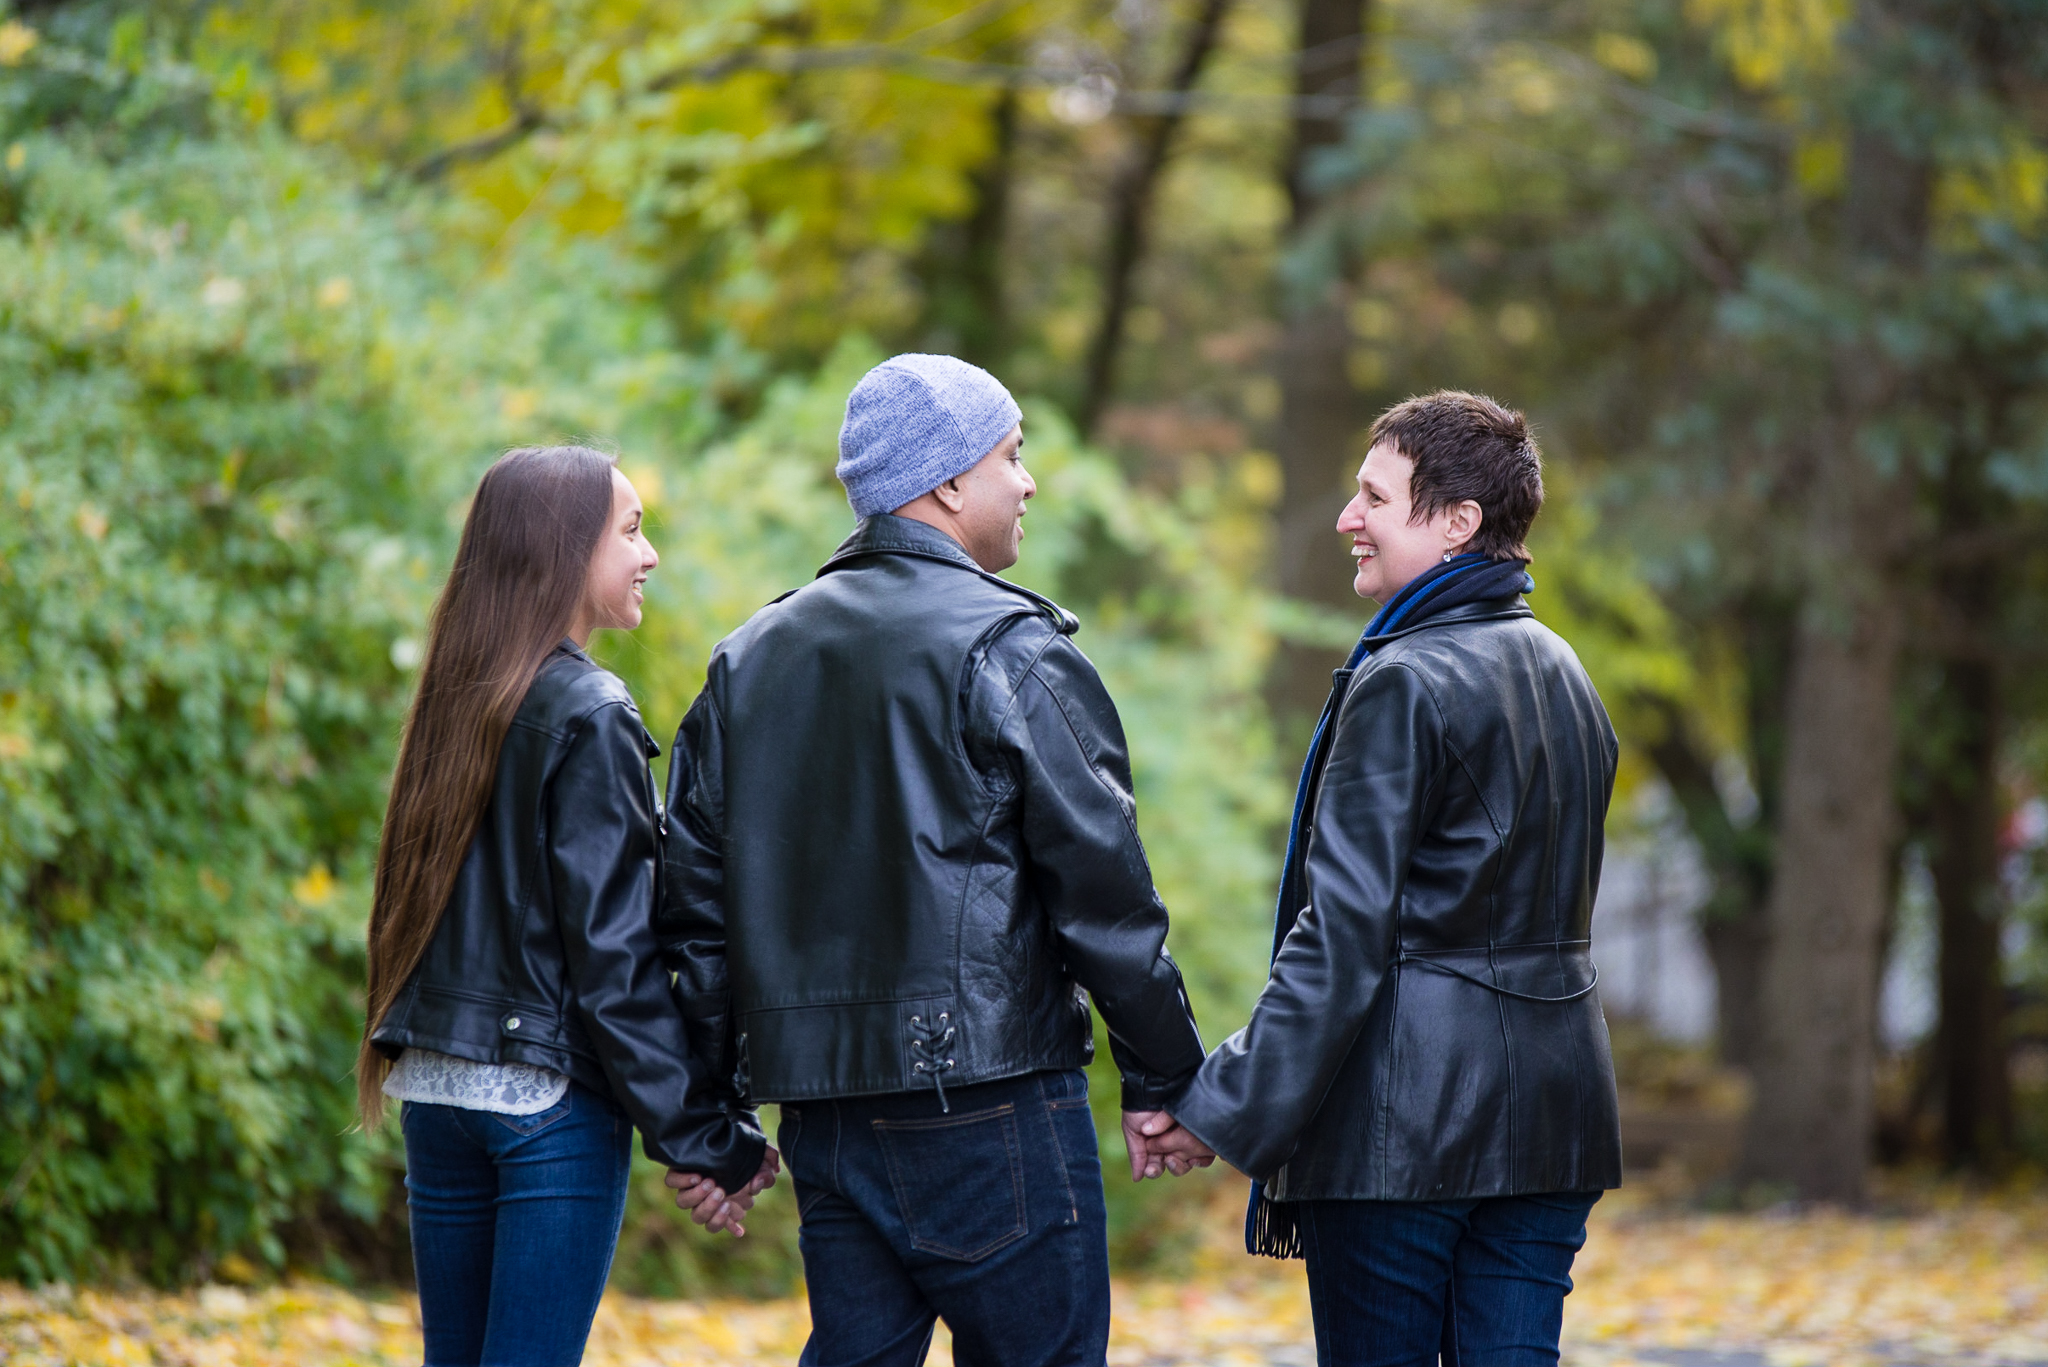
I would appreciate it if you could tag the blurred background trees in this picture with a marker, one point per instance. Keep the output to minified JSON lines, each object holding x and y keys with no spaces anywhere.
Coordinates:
{"x":278,"y":278}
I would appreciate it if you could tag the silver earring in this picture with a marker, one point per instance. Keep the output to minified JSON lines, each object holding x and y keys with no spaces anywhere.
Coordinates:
{"x":1450,"y":556}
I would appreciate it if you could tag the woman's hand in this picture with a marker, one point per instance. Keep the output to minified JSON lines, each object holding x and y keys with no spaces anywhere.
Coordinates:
{"x":714,"y":1208}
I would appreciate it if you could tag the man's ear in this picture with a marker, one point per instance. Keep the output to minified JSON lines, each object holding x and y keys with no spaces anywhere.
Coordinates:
{"x":954,"y":497}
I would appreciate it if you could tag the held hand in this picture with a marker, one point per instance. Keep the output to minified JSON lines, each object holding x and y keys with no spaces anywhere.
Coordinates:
{"x":771,"y":1164}
{"x":1144,"y":1163}
{"x":1166,"y":1141}
{"x":713,"y":1208}
{"x":708,"y":1204}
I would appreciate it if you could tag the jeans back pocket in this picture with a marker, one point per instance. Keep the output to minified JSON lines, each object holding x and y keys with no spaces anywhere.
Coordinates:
{"x":959,"y":1181}
{"x":527,"y":1125}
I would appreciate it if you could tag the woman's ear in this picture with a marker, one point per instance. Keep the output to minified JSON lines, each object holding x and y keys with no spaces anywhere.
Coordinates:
{"x":1463,"y":524}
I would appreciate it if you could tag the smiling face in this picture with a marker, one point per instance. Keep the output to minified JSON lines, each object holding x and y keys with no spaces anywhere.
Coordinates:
{"x":992,"y":498}
{"x":618,"y":568}
{"x":1390,"y":544}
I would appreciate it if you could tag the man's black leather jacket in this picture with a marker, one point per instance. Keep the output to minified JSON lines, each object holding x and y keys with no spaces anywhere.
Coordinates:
{"x":546,"y":952}
{"x":901,"y":842}
{"x":1430,"y":1031}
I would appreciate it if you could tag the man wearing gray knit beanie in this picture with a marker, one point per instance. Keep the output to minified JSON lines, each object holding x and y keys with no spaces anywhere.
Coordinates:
{"x":901,"y":862}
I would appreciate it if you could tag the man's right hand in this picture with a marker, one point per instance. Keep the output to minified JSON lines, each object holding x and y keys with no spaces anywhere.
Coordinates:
{"x":1158,"y":1143}
{"x":713,"y":1208}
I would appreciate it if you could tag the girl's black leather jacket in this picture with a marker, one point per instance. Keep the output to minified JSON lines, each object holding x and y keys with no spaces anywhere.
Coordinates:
{"x":546,"y":953}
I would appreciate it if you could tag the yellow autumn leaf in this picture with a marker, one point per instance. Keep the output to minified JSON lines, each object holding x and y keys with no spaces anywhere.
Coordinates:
{"x":16,"y":41}
{"x":1961,"y":1280}
{"x":1625,"y":55}
{"x":315,"y":888}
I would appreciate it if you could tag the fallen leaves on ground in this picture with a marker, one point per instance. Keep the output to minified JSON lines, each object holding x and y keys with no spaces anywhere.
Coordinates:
{"x":1960,"y":1280}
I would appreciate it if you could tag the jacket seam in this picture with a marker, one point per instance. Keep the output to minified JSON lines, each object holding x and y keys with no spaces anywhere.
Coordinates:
{"x":989,"y":634}
{"x":819,"y":1003}
{"x":1399,"y":944}
{"x":1123,"y":810}
{"x":981,"y":836}
{"x":1507,"y":1029}
{"x":696,"y":769}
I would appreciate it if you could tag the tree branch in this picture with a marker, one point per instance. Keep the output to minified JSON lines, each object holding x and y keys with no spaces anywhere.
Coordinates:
{"x":1131,"y":215}
{"x":792,"y":61}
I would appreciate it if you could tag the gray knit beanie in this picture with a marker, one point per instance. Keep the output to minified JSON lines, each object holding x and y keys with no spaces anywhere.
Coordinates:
{"x":914,"y":422}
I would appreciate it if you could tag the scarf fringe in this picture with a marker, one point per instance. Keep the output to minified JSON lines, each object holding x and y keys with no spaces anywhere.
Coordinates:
{"x":1270,"y":1230}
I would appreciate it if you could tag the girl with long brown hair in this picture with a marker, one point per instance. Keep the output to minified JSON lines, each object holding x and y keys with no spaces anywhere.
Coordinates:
{"x":516,"y":1003}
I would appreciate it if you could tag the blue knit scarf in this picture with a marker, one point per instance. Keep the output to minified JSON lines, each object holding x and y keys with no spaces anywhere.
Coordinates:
{"x":1269,"y":1226}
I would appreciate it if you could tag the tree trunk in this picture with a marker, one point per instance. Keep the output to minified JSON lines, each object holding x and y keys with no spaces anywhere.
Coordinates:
{"x":1810,"y":1127}
{"x":1130,"y":216}
{"x":1963,"y":824}
{"x":965,"y":312}
{"x":1319,"y":409}
{"x":1737,"y":852}
{"x":1737,"y":862}
{"x":1738,"y":946}
{"x":1970,"y":1052}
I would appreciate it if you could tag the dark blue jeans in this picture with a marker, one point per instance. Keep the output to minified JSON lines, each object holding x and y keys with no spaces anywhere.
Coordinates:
{"x":988,"y":1216}
{"x":1475,"y":1283}
{"x":514,"y":1221}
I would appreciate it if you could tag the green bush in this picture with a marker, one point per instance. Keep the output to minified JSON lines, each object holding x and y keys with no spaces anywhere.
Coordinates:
{"x":239,"y":409}
{"x":206,"y":514}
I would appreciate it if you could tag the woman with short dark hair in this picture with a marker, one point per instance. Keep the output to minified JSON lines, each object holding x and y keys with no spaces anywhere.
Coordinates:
{"x":1425,"y":1093}
{"x":517,"y":1006}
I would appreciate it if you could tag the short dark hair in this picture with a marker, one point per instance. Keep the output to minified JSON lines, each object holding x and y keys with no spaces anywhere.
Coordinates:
{"x":1467,"y":446}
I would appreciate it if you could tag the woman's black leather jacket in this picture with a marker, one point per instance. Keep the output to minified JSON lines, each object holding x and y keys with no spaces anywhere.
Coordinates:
{"x":1430,"y":1029}
{"x":546,"y":953}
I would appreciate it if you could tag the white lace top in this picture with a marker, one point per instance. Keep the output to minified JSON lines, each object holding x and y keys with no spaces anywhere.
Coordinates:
{"x":503,"y":1088}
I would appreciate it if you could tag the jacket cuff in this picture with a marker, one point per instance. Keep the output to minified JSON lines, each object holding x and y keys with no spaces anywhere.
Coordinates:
{"x":1149,"y":1092}
{"x":1225,"y":1132}
{"x":727,"y":1148}
{"x":747,"y":1152}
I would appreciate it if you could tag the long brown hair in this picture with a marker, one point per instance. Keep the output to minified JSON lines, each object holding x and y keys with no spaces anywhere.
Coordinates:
{"x":519,"y":579}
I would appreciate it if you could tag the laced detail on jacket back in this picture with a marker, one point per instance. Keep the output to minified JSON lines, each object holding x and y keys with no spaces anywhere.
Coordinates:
{"x":929,"y":1043}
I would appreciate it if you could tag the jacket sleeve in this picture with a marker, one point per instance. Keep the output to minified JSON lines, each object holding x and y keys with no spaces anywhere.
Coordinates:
{"x":1259,"y":1090}
{"x":690,"y":922}
{"x":1065,"y":745}
{"x":603,"y":854}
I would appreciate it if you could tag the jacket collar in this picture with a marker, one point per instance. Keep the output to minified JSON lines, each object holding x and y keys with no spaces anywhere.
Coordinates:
{"x":1480,"y":610}
{"x":888,"y":534}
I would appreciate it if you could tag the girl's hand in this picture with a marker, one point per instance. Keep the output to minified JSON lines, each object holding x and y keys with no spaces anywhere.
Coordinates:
{"x":708,"y":1204}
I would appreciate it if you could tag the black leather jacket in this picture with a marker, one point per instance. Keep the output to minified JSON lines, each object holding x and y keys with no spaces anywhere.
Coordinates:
{"x":1430,"y":1031}
{"x":902,"y":840}
{"x":546,"y":952}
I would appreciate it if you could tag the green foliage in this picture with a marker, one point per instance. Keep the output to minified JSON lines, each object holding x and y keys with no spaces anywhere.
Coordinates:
{"x":205,"y":497}
{"x":241,"y":407}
